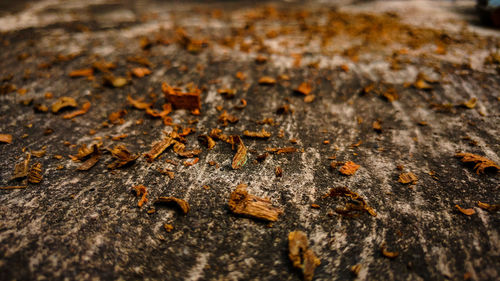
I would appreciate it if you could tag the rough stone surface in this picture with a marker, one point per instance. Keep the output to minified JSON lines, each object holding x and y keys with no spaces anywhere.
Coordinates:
{"x":86,"y":225}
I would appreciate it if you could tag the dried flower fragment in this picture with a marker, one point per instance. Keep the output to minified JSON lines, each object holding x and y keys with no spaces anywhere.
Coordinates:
{"x":406,"y":178}
{"x":262,"y":134}
{"x":301,"y":256}
{"x":182,"y":100}
{"x":470,"y":104}
{"x":93,"y":155}
{"x":83,"y":110}
{"x":304,"y":88}
{"x":85,"y":72}
{"x":242,"y":203}
{"x":63,"y":102}
{"x":139,"y":104}
{"x":181,"y":204}
{"x":349,"y":168}
{"x":158,"y":148}
{"x":351,"y":209}
{"x":280,"y":150}
{"x":488,"y":207}
{"x":482,"y":163}
{"x":226,"y":118}
{"x":467,"y":212}
{"x":207,"y":141}
{"x":140,"y":71}
{"x":240,"y":158}
{"x":21,"y":169}
{"x":386,"y":253}
{"x":122,"y":155}
{"x":267,"y":80}
{"x":35,"y":173}
{"x":5,"y":138}
{"x":141,"y":190}
{"x":377,"y":126}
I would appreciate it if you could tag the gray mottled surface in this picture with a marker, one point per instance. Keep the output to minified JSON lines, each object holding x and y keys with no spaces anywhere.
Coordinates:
{"x":86,"y":225}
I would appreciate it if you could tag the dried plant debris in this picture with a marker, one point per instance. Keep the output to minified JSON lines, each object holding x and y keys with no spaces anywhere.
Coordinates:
{"x":355,"y":269}
{"x":85,"y":108}
{"x":122,"y":155}
{"x":207,"y":141}
{"x":267,"y":80}
{"x":39,"y":153}
{"x":470,"y":104}
{"x":35,"y":173}
{"x":278,"y":171}
{"x":182,"y":100}
{"x":243,"y":203}
{"x":482,"y":163}
{"x":5,"y":138}
{"x":240,"y":158}
{"x":114,"y":81}
{"x":91,"y":155}
{"x":226,"y":118}
{"x":85,"y":72}
{"x":13,"y":187}
{"x":22,"y":168}
{"x":488,"y":207}
{"x":158,"y":148}
{"x":301,"y":256}
{"x":467,"y":212}
{"x":139,"y":104}
{"x":140,"y":71}
{"x":304,"y":88}
{"x":63,"y":102}
{"x":386,"y":253}
{"x":181,"y":204}
{"x":349,"y":168}
{"x":406,"y":178}
{"x":263,"y":134}
{"x":354,"y":208}
{"x":280,"y":150}
{"x":377,"y":126}
{"x":141,"y":190}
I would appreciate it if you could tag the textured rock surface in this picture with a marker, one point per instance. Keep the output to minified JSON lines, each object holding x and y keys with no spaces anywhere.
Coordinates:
{"x":86,"y":224}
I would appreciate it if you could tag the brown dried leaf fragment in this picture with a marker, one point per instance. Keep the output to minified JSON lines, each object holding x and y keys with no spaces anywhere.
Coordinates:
{"x":390,"y":95}
{"x":122,"y":155}
{"x":140,"y":71}
{"x":189,"y":153}
{"x":301,"y":256}
{"x":139,"y":104}
{"x":113,"y":81}
{"x":117,"y":116}
{"x":85,"y":108}
{"x":309,"y":98}
{"x":12,"y":187}
{"x":268,"y":121}
{"x":467,"y":212}
{"x":377,"y":126}
{"x":141,"y":190}
{"x":95,"y":154}
{"x":192,"y":163}
{"x":351,"y":209}
{"x":387,"y":254}
{"x":85,"y":72}
{"x":183,"y":205}
{"x":207,"y":141}
{"x":470,"y":104}
{"x":267,"y":80}
{"x":21,"y":169}
{"x":158,"y":148}
{"x":5,"y":138}
{"x":349,"y":168}
{"x":406,"y":178}
{"x":262,"y":134}
{"x":280,"y":150}
{"x":63,"y":102}
{"x":482,"y":163}
{"x":240,"y":158}
{"x":488,"y":207}
{"x":226,"y":118}
{"x":304,"y":88}
{"x":168,"y":227}
{"x":421,"y":82}
{"x":278,"y":171}
{"x":39,"y":153}
{"x":35,"y":173}
{"x":242,"y":203}
{"x":355,"y":269}
{"x":227,"y":93}
{"x":182,"y":100}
